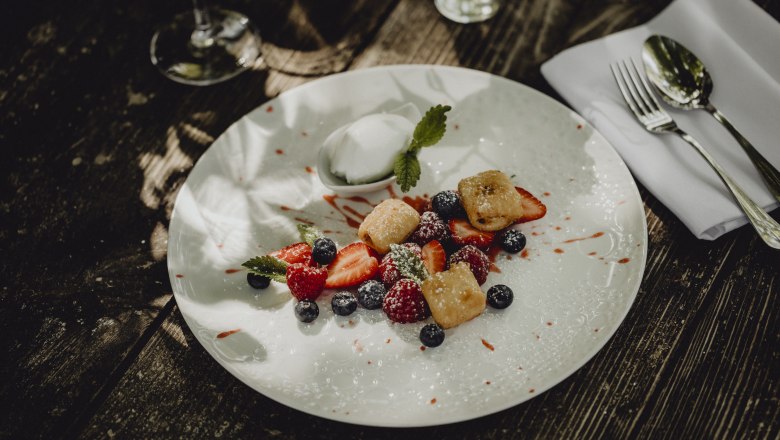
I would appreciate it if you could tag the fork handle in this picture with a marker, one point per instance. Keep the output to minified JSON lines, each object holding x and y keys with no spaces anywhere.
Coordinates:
{"x":767,"y":171}
{"x":768,"y":229}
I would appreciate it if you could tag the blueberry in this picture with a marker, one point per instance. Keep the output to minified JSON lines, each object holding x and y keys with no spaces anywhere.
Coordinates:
{"x":432,"y":335}
{"x":500,"y":296}
{"x":343,"y":303}
{"x":371,"y":294}
{"x":323,"y":251}
{"x":447,"y":204}
{"x":306,"y":310}
{"x":512,"y":241}
{"x":257,"y":281}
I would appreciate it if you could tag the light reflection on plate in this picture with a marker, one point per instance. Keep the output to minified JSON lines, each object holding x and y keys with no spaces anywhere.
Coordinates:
{"x":573,"y":284}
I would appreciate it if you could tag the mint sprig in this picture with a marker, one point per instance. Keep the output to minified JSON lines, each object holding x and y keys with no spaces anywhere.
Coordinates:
{"x":408,"y":263}
{"x":268,"y":266}
{"x":308,"y":233}
{"x":428,"y":132}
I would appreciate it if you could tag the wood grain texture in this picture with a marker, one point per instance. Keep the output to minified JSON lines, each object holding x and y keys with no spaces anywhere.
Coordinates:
{"x":97,"y":143}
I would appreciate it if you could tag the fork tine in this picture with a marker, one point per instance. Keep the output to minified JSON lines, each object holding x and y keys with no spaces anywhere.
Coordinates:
{"x":634,"y":88}
{"x":642,"y":87}
{"x":624,"y":89}
{"x":646,"y":87}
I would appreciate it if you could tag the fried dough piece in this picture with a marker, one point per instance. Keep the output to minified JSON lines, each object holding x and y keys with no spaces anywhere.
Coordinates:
{"x":453,"y":296}
{"x":490,"y":200}
{"x":390,"y":222}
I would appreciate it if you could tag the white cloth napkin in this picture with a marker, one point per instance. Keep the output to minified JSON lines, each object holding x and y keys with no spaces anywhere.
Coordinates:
{"x":740,"y":45}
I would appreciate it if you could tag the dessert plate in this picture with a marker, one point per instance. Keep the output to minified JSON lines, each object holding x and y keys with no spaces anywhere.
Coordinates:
{"x":573,"y":284}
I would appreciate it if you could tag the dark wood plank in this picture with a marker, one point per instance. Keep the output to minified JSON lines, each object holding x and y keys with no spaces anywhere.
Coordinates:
{"x":96,"y":143}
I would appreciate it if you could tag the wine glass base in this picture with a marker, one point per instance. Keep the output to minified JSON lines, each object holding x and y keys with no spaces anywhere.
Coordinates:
{"x":467,"y":11}
{"x":228,"y":48}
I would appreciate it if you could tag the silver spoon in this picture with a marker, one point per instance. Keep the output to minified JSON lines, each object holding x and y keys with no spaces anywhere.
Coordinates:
{"x":683,"y":82}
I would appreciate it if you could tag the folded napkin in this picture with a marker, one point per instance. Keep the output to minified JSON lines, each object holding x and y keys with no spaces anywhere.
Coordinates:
{"x":738,"y":42}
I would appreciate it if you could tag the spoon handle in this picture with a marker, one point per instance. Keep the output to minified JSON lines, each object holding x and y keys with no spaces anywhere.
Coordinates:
{"x":768,"y":229}
{"x":768,"y":172}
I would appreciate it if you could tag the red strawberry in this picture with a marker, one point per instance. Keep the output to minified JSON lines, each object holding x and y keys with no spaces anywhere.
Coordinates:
{"x":294,"y":253}
{"x":306,"y":282}
{"x":478,"y":262}
{"x":434,"y":257}
{"x":353,"y":265}
{"x":533,"y":208}
{"x":388,"y":272}
{"x":463,"y":233}
{"x":405,"y":302}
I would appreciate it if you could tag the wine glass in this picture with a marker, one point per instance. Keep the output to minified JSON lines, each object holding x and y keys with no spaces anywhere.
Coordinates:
{"x":205,"y":46}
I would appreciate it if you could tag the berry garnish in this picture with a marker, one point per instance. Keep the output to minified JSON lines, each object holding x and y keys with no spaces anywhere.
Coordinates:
{"x":500,"y":296}
{"x":306,"y":282}
{"x":388,"y":271}
{"x":463,"y":234}
{"x":448,"y":205}
{"x":343,"y":303}
{"x":405,"y":302}
{"x":533,"y":208}
{"x":434,"y":257}
{"x":432,"y":335}
{"x":477,"y":260}
{"x":371,"y":294}
{"x":323,"y":251}
{"x":294,"y":253}
{"x":257,"y":281}
{"x":306,"y":310}
{"x":431,"y":227}
{"x":512,"y":241}
{"x":353,"y":265}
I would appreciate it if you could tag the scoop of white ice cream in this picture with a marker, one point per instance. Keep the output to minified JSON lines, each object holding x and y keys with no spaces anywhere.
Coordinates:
{"x":365,"y":150}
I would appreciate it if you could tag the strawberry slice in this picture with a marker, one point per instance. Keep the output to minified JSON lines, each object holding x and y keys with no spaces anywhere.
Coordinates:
{"x":353,"y":265}
{"x":463,"y":233}
{"x":533,"y":208}
{"x":434,"y":257}
{"x":294,"y":253}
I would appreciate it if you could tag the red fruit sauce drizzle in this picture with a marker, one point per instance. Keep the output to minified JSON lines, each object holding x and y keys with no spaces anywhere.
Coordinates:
{"x":596,"y":235}
{"x":227,"y":333}
{"x":492,"y":253}
{"x":230,"y":271}
{"x":269,"y":109}
{"x":433,"y":401}
{"x":303,"y":220}
{"x":524,"y":253}
{"x":310,"y":170}
{"x":558,"y":250}
{"x":178,"y":275}
{"x":422,"y":348}
{"x":488,"y":345}
{"x":624,"y":260}
{"x":279,"y":151}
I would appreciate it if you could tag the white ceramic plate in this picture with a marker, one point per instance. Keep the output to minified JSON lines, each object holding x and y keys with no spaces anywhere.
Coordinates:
{"x":573,"y":286}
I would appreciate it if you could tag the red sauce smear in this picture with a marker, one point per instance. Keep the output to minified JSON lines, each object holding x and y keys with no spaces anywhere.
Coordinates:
{"x":178,"y":275}
{"x":487,"y":382}
{"x":303,"y":220}
{"x":229,"y":271}
{"x":331,"y":199}
{"x":285,"y":208}
{"x":524,"y":253}
{"x":488,"y":345}
{"x":624,"y":260}
{"x":419,"y":203}
{"x":531,"y":390}
{"x":492,"y":253}
{"x":304,"y":133}
{"x":592,"y":254}
{"x":433,"y":401}
{"x":279,"y":151}
{"x":456,"y":127}
{"x":391,"y":192}
{"x":546,"y":194}
{"x":227,"y":333}
{"x":269,"y":109}
{"x":579,"y":126}
{"x":352,"y":211}
{"x":549,"y":323}
{"x":558,"y":250}
{"x":596,"y":235}
{"x":422,"y":348}
{"x":309,"y":170}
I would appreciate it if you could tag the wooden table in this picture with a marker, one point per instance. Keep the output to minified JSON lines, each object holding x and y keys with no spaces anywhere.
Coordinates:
{"x":96,"y":143}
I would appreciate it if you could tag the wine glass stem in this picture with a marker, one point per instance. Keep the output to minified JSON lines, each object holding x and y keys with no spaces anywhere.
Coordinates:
{"x":201,"y":36}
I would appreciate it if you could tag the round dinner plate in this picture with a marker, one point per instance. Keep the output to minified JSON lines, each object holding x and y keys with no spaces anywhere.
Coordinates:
{"x":573,"y":284}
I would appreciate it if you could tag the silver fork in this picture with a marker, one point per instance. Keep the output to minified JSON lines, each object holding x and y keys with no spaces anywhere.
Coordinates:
{"x":643,"y":104}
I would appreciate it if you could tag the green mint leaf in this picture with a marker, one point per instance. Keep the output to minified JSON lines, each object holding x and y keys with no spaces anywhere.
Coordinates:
{"x":407,"y":170}
{"x":431,"y":128}
{"x":268,"y":266}
{"x":309,"y":233}
{"x":408,"y":263}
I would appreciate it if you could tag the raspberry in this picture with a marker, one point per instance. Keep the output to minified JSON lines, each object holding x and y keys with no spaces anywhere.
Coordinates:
{"x":405,"y":303}
{"x":431,"y":227}
{"x":306,"y":282}
{"x":388,"y":272}
{"x":477,"y":260}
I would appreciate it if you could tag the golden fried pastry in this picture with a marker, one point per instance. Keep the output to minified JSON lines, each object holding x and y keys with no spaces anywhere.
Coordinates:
{"x":490,"y":200}
{"x":391,"y":222}
{"x":453,"y":296}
